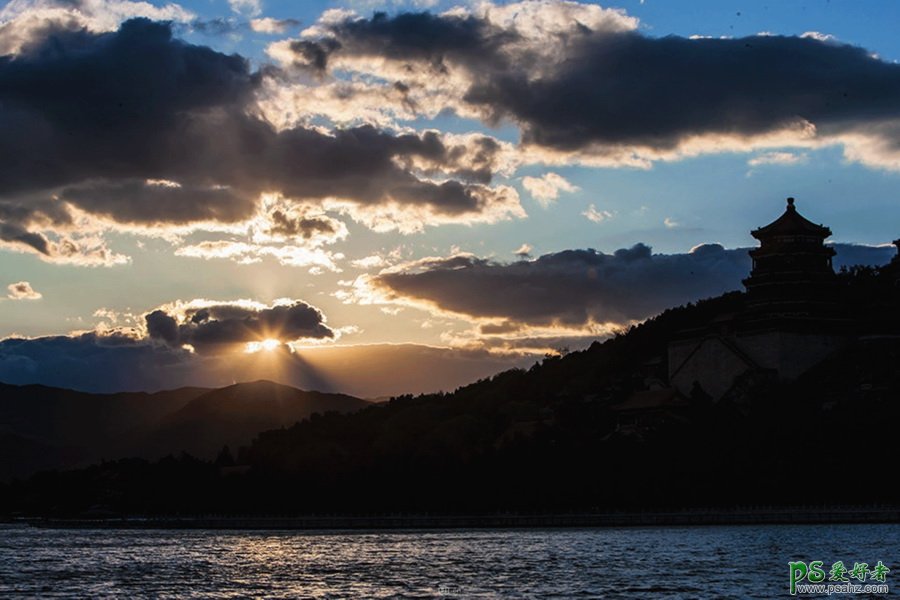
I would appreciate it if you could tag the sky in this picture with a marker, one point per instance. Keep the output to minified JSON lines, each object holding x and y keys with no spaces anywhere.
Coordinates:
{"x":379,"y":197}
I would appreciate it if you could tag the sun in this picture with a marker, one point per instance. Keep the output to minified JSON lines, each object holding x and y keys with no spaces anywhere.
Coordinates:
{"x":267,"y":345}
{"x":270,"y":344}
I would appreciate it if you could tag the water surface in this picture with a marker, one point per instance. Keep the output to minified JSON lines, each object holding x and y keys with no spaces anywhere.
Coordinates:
{"x":664,"y":562}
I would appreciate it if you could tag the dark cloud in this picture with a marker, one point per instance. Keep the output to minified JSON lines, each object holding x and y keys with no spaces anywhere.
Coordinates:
{"x":408,"y":37}
{"x":101,"y":120}
{"x":133,"y":201}
{"x":221,"y":326}
{"x":314,"y":54}
{"x":83,"y":107}
{"x":627,"y":88}
{"x":216,"y":26}
{"x":126,"y":359}
{"x":580,"y":87}
{"x":126,"y":89}
{"x":579,"y":287}
{"x":16,"y":234}
{"x":95,"y":363}
{"x":286,"y":225}
{"x":220,"y":26}
{"x":849,"y":255}
{"x":162,"y":326}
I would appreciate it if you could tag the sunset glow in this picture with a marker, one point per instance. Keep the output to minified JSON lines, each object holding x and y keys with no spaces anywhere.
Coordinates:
{"x":441,"y":181}
{"x":557,"y":294}
{"x":267,"y":345}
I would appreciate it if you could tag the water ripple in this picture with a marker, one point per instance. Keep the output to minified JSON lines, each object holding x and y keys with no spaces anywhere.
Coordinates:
{"x":666,"y":562}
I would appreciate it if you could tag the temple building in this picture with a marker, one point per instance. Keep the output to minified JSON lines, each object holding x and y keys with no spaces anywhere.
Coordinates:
{"x":894,"y":266}
{"x":792,"y":318}
{"x":792,"y":274}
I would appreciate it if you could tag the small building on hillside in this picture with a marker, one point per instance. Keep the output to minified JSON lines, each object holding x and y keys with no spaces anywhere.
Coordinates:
{"x":649,"y":409}
{"x":792,"y":319}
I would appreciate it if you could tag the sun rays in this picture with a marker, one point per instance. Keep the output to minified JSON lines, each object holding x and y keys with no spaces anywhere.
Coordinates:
{"x":266,"y":345}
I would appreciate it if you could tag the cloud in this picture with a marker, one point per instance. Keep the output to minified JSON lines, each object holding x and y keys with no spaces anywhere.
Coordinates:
{"x":849,"y":255}
{"x":68,"y":249}
{"x":556,"y":300}
{"x":597,"y":216}
{"x":12,"y":234}
{"x":124,"y":127}
{"x":283,"y":221}
{"x":546,"y":189}
{"x":524,"y":251}
{"x":195,"y":342}
{"x":155,"y":202}
{"x":816,"y":35}
{"x":420,"y":64}
{"x":272,"y":26}
{"x":25,"y":22}
{"x":290,"y":232}
{"x":218,"y":26}
{"x":778,"y":158}
{"x":572,"y":290}
{"x":582,"y":81}
{"x":209,"y":326}
{"x":204,"y":342}
{"x":135,"y":128}
{"x":369,"y":262}
{"x":287,"y":225}
{"x":102,"y":363}
{"x":249,"y":8}
{"x":22,"y":290}
{"x":247,"y":253}
{"x":95,"y":362}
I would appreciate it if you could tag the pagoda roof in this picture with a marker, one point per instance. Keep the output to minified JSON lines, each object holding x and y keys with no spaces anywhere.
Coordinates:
{"x":791,"y":223}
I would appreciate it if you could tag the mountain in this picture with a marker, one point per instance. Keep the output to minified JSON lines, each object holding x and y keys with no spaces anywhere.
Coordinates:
{"x":43,"y":427}
{"x":68,"y":416}
{"x":592,"y":430}
{"x":233,"y":415}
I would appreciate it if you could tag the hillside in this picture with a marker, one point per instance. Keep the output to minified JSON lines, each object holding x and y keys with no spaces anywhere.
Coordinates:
{"x":43,"y":427}
{"x":233,"y":415}
{"x":553,"y":437}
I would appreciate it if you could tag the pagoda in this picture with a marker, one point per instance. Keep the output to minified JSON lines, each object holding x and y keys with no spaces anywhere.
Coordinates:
{"x":792,"y":275}
{"x":892,"y":269}
{"x":792,"y":318}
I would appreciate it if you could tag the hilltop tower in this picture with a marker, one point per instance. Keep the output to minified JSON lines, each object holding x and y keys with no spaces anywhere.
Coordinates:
{"x":895,"y":262}
{"x":791,"y":320}
{"x":792,"y":274}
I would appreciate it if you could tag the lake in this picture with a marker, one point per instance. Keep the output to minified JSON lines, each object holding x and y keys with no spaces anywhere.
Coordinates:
{"x":665,"y":562}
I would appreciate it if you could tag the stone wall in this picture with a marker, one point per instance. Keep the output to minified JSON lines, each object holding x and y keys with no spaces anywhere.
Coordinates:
{"x":708,"y":361}
{"x":789,"y":354}
{"x":716,"y":360}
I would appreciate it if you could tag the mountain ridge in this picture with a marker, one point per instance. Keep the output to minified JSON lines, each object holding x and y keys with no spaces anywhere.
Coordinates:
{"x":68,"y":428}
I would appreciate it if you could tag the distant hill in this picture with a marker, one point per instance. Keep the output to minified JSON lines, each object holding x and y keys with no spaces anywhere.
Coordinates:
{"x":560,"y":436}
{"x":233,"y":415}
{"x":43,"y":427}
{"x":71,"y":417}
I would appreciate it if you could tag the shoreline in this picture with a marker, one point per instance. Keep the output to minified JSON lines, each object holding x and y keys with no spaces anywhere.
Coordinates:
{"x":800,"y":516}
